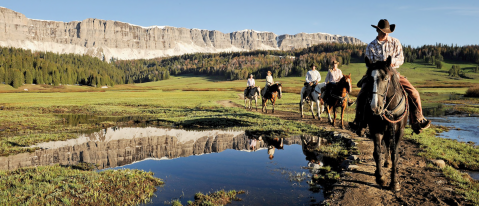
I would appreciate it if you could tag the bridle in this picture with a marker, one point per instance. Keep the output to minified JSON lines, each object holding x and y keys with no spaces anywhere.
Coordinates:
{"x":341,"y":98}
{"x":388,"y":114}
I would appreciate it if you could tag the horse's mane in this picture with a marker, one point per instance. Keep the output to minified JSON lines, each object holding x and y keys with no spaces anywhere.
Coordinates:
{"x":342,"y":83}
{"x":274,"y":87}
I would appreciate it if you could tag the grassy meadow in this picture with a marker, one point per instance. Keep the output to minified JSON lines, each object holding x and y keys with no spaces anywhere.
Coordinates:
{"x":188,"y":101}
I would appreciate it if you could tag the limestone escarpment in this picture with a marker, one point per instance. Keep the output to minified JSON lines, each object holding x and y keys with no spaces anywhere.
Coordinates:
{"x":106,"y":39}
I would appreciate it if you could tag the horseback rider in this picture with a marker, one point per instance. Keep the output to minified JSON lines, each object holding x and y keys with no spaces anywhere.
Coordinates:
{"x":333,"y":77}
{"x":249,"y":85}
{"x":379,"y":50}
{"x":269,"y":82}
{"x":312,"y":78}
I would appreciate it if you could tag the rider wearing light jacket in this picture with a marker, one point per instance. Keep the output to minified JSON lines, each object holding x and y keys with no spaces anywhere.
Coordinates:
{"x":269,"y":82}
{"x":312,"y":78}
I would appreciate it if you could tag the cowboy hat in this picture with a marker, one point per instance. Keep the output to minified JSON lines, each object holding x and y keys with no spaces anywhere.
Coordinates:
{"x":384,"y":26}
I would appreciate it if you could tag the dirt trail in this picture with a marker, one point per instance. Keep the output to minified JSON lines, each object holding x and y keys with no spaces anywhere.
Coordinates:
{"x":419,"y":185}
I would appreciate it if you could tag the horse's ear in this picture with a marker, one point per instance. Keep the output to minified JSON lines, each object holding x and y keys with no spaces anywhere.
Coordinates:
{"x":388,"y":61}
{"x":349,"y":74}
{"x":366,"y":59}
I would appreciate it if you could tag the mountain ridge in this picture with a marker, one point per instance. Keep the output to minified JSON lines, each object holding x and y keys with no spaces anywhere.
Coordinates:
{"x":108,"y":39}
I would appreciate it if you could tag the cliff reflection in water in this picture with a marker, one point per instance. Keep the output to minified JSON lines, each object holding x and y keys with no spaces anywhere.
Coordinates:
{"x":120,"y":146}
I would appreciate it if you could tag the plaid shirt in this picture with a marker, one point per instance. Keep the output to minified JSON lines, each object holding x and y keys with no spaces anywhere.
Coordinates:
{"x":380,"y":50}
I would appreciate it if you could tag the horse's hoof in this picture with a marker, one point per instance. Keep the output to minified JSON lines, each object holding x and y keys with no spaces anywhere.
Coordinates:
{"x":314,"y":117}
{"x":381,"y":181}
{"x":302,"y":116}
{"x":388,"y":164}
{"x":395,"y":187}
{"x":319,"y":118}
{"x":342,"y":127}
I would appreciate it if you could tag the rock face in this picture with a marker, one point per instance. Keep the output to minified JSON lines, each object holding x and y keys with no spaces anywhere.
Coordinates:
{"x":107,"y":39}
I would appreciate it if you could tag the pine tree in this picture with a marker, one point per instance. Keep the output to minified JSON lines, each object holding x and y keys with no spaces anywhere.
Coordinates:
{"x":17,"y":78}
{"x":28,"y":77}
{"x":2,"y":75}
{"x":438,"y":64}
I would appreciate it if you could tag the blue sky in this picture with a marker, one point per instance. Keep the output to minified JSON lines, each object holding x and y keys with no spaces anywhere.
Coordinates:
{"x":418,"y":22}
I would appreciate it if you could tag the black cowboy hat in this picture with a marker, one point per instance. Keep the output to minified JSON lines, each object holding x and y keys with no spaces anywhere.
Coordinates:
{"x":384,"y":26}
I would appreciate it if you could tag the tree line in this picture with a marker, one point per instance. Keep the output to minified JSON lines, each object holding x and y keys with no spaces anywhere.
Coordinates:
{"x":19,"y":66}
{"x":238,"y":65}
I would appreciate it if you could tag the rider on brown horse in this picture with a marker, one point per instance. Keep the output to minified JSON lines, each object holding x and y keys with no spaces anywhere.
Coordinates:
{"x":269,"y":82}
{"x":312,"y":78}
{"x":332,"y":78}
{"x":378,"y":50}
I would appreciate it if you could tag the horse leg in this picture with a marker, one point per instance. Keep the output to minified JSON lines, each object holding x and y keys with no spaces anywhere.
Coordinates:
{"x":319,"y":111}
{"x":245,"y":102}
{"x":394,"y":156}
{"x":322,"y":105}
{"x":329,"y":113}
{"x":334,"y":114}
{"x":256,"y":102}
{"x":264,"y":106}
{"x":343,"y":107}
{"x":380,"y":178}
{"x":301,"y":103}
{"x":312,"y":109}
{"x":272,"y":102}
{"x":387,"y":156}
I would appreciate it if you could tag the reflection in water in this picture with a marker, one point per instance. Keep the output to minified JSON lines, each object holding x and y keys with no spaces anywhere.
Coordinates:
{"x":276,"y":174}
{"x":280,"y":181}
{"x":463,"y":128}
{"x":119,"y":146}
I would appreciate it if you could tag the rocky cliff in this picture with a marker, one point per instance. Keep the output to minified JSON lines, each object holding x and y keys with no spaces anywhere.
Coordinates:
{"x":107,"y":39}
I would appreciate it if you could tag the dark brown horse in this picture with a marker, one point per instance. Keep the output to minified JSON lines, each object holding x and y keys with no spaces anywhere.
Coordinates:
{"x":386,"y":116}
{"x":273,"y":93}
{"x":337,"y":96}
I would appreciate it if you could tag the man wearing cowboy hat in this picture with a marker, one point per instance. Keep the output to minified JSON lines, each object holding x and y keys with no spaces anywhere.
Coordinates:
{"x":312,"y":78}
{"x":379,"y":50}
{"x":334,"y":75}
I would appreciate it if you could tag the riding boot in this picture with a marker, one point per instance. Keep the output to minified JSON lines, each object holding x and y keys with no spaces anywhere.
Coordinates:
{"x":417,"y":120}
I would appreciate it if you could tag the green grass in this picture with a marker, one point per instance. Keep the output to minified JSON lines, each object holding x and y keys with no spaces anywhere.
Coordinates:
{"x":457,"y":154}
{"x":55,"y":185}
{"x":31,"y":118}
{"x":467,"y":187}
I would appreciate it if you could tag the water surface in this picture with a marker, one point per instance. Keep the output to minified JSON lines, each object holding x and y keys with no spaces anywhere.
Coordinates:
{"x":267,"y":182}
{"x":463,"y":128}
{"x":191,"y":161}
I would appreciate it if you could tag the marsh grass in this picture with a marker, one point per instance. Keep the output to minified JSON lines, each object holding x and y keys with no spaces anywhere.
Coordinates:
{"x":460,"y":155}
{"x":473,"y":91}
{"x":217,"y":198}
{"x":468,"y":187}
{"x":28,"y":126}
{"x":56,"y":185}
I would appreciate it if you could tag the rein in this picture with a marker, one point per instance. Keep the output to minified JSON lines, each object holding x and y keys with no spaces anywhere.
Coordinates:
{"x":390,"y":113}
